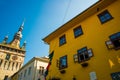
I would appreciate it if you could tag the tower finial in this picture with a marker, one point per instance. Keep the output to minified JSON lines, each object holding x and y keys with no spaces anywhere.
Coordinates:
{"x":17,"y":37}
{"x":5,"y":40}
{"x":24,"y":45}
{"x":23,"y":22}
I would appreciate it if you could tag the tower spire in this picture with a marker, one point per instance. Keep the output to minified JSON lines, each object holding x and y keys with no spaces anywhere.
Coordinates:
{"x":18,"y":35}
{"x":24,"y":45}
{"x":23,"y":22}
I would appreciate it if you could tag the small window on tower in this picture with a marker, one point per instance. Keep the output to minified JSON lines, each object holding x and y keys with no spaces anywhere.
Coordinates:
{"x":5,"y":64}
{"x":16,"y":65}
{"x":13,"y":65}
{"x":20,"y":65}
{"x":7,"y":56}
{"x":1,"y":61}
{"x":8,"y":65}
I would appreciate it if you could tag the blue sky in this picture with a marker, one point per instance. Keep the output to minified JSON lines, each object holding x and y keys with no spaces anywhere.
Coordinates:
{"x":41,"y":18}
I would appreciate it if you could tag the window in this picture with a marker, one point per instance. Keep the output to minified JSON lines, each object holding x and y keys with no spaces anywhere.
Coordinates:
{"x":105,"y":16}
{"x":29,"y":71}
{"x":16,"y":65}
{"x":8,"y":65}
{"x":20,"y":65}
{"x":78,"y":31}
{"x":13,"y":65}
{"x":1,"y":61}
{"x":7,"y":56}
{"x":6,"y":77}
{"x":62,"y":40}
{"x":83,"y":54}
{"x":115,"y":38}
{"x":5,"y":64}
{"x":41,"y":70}
{"x":63,"y":62}
{"x":18,"y":77}
{"x":115,"y":76}
{"x":21,"y":76}
{"x":25,"y":73}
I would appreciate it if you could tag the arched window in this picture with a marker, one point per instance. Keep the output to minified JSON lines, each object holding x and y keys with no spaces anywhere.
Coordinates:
{"x":1,"y":61}
{"x":13,"y":65}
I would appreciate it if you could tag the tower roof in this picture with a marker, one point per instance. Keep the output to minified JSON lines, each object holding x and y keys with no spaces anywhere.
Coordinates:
{"x":15,"y":43}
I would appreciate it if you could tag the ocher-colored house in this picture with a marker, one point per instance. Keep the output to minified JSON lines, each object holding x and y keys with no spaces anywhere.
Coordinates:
{"x":88,"y":46}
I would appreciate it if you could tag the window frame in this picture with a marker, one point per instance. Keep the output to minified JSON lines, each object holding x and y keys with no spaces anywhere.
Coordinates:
{"x":77,"y":29}
{"x":84,"y":54}
{"x":61,"y":38}
{"x":1,"y":62}
{"x":29,"y":70}
{"x":60,"y":63}
{"x":103,"y":14}
{"x":41,"y":70}
{"x":20,"y":76}
{"x":115,"y":75}
{"x":7,"y":56}
{"x":25,"y":72}
{"x":116,"y":38}
{"x":13,"y":65}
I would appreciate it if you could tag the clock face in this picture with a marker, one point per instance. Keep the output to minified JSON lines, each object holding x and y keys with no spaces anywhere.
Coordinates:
{"x":14,"y":57}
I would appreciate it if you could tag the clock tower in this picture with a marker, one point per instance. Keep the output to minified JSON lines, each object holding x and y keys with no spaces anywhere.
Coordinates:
{"x":11,"y":55}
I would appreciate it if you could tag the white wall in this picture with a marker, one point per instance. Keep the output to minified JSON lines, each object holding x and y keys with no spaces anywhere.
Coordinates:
{"x":35,"y":67}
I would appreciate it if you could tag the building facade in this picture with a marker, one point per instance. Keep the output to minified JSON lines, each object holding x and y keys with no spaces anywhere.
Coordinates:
{"x":33,"y":70}
{"x":11,"y":55}
{"x":88,"y":46}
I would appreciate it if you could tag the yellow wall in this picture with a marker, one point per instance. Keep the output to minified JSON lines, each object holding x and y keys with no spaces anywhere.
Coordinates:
{"x":94,"y":36}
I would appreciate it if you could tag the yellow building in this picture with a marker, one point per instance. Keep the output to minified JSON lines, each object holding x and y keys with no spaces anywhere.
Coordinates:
{"x":11,"y":55}
{"x":88,"y":46}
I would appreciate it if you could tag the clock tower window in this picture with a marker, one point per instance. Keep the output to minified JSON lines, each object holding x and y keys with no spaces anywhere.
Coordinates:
{"x":7,"y":56}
